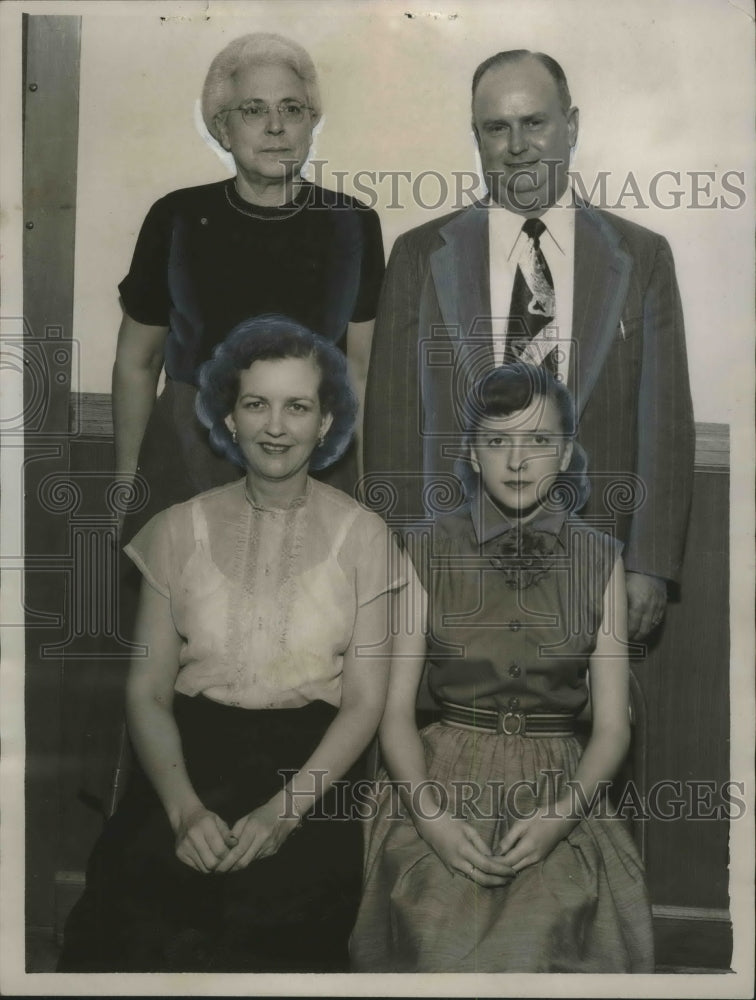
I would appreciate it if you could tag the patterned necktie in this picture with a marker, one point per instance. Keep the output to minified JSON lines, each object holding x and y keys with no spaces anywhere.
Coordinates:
{"x":533,"y":306}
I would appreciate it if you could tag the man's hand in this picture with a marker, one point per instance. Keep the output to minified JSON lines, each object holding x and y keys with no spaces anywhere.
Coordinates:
{"x":646,"y":603}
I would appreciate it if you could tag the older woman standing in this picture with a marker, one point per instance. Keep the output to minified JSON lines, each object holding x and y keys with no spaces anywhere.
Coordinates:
{"x":211,"y":256}
{"x":264,"y":616}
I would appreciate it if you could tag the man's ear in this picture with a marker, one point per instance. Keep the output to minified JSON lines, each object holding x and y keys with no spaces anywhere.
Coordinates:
{"x":474,"y":128}
{"x":566,"y":457}
{"x":573,"y":124}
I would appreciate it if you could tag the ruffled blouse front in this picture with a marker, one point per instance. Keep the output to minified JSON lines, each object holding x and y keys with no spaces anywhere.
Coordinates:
{"x":266,"y":599}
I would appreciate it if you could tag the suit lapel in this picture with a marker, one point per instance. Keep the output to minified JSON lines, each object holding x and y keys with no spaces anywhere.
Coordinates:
{"x":602,"y":277}
{"x":460,"y":270}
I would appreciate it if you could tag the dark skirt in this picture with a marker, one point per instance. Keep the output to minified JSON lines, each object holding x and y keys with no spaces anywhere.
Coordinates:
{"x":143,"y":910}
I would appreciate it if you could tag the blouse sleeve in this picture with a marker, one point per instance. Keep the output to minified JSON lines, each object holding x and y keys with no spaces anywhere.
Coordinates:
{"x":152,"y":552}
{"x":372,"y":267}
{"x":144,"y":290}
{"x":377,"y":563}
{"x":419,"y":541}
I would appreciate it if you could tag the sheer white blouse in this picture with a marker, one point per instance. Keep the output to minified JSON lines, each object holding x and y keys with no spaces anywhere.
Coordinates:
{"x":266,"y":599}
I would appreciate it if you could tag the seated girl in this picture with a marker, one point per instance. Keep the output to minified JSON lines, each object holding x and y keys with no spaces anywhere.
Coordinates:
{"x":496,"y":849}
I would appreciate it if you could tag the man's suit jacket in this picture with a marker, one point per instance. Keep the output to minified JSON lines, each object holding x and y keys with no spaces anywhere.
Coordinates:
{"x":628,"y":371}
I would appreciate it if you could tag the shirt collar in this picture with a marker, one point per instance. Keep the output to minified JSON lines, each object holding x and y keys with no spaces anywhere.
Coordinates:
{"x":489,"y":521}
{"x":559,"y":222}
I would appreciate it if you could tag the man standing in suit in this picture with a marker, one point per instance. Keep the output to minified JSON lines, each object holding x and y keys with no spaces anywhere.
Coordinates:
{"x":531,"y":272}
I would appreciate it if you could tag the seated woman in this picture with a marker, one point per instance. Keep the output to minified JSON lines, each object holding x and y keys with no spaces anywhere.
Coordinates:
{"x":263,"y":617}
{"x":507,"y":858}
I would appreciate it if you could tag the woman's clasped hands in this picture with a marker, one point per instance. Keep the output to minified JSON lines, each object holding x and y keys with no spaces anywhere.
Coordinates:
{"x":203,"y":839}
{"x":206,"y":843}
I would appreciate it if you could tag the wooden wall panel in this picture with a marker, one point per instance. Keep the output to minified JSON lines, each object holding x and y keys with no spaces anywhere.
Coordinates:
{"x":685,"y":680}
{"x":686,"y":683}
{"x":94,"y":665}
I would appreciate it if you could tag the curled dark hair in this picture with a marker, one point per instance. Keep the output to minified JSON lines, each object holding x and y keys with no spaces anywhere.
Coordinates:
{"x":266,"y":338}
{"x":510,"y":389}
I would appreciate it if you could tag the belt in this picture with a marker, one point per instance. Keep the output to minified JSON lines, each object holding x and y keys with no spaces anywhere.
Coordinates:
{"x":508,"y":723}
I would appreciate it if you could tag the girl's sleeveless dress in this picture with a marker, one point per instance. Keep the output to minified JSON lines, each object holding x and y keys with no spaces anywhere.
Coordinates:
{"x":513,"y":621}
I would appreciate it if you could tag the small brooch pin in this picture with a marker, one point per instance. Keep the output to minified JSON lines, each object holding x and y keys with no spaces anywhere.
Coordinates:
{"x":523,"y":555}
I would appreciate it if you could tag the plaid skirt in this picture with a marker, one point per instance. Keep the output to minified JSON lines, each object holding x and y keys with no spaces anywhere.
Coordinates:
{"x":584,"y":908}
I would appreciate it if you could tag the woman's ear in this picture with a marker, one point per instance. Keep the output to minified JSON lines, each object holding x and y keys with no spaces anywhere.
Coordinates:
{"x":566,"y":457}
{"x":230,"y":423}
{"x":325,"y":424}
{"x":222,"y":130}
{"x":474,"y":459}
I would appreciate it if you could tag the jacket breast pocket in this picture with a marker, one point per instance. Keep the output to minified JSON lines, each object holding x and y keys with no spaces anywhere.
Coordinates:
{"x":629,"y":327}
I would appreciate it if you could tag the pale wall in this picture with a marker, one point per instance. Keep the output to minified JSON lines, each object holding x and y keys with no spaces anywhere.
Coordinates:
{"x":661,"y":86}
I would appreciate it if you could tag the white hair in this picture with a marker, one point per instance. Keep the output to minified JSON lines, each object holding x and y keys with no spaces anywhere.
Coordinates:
{"x":260,"y":48}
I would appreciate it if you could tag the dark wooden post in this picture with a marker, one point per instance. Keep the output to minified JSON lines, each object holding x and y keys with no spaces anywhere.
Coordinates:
{"x":51,"y":122}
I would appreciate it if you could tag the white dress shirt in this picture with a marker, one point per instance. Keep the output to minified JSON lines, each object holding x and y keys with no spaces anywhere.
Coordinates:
{"x":506,"y":243}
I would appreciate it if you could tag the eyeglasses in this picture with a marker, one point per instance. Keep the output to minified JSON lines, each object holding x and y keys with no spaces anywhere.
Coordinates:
{"x":289,"y":111}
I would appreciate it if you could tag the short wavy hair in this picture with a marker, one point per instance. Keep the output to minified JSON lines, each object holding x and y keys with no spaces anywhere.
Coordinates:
{"x":265,"y":338}
{"x":258,"y":49}
{"x":551,"y":66}
{"x":508,"y":389}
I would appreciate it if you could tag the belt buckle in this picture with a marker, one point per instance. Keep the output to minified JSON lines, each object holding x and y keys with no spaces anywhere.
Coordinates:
{"x":508,"y":729}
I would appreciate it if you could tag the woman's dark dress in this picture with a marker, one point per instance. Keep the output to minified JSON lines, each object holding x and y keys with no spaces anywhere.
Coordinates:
{"x":204,"y":261}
